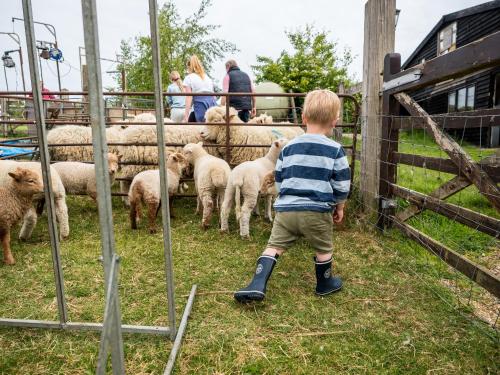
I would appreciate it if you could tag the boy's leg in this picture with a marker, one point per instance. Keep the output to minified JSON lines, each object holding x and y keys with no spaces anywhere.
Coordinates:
{"x":282,"y":237}
{"x":317,"y":228}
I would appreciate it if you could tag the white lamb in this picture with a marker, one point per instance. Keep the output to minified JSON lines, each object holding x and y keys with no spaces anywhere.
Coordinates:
{"x":79,"y":178}
{"x":243,"y":135}
{"x":269,"y":191}
{"x":246,"y":179}
{"x":145,"y":189}
{"x":210,"y":179}
{"x":30,"y":219}
{"x":149,"y":154}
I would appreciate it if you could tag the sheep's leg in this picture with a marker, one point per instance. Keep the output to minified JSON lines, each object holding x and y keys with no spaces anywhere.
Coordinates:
{"x":246,"y":211}
{"x":171,"y":206}
{"x":226,"y":205}
{"x":62,"y":217}
{"x":29,"y":223}
{"x":208,"y":206}
{"x":124,"y":188}
{"x":134,"y":216}
{"x":269,"y":204}
{"x":199,"y":205}
{"x":256,"y":211}
{"x":152,"y":209}
{"x":7,"y":253}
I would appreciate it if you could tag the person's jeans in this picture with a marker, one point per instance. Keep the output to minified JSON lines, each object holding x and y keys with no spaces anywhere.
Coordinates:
{"x":244,"y":115}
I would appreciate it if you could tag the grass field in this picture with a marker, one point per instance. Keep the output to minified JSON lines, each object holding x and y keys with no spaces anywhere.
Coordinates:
{"x":386,"y":320}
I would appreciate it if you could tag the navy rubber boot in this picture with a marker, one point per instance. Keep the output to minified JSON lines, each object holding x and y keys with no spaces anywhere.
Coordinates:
{"x":326,"y":282}
{"x":256,"y":290}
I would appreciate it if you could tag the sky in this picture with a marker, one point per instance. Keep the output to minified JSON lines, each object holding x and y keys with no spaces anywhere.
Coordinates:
{"x":256,"y":27}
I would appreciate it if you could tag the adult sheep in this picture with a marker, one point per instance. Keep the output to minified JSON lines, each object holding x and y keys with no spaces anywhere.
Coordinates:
{"x":243,"y":135}
{"x":78,"y":134}
{"x":30,"y":219}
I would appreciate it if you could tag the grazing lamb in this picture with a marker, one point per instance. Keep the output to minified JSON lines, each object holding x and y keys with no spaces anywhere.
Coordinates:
{"x":149,"y":154}
{"x":242,"y":135}
{"x":210,"y":178}
{"x":270,"y":192}
{"x":145,"y":188}
{"x":79,"y":178}
{"x":246,"y":179}
{"x":58,"y":190}
{"x":17,"y":199}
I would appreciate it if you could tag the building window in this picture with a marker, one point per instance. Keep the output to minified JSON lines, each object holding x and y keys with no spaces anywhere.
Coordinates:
{"x":447,"y":39}
{"x":496,"y":99}
{"x":462,"y":99}
{"x":452,"y":102}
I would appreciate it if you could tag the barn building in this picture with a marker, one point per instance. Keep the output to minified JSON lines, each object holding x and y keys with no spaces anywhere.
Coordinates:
{"x":480,"y":90}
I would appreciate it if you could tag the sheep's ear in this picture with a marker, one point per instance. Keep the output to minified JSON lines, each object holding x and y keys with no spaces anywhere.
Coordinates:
{"x":15,"y":175}
{"x":119,"y":156}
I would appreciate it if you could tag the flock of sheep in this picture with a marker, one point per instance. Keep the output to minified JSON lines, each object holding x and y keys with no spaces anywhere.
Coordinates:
{"x":217,"y":186}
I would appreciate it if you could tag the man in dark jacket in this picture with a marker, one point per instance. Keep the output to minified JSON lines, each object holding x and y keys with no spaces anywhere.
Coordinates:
{"x":238,"y":81}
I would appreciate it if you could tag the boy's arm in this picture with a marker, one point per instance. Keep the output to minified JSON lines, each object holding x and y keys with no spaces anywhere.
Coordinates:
{"x":277,"y":172}
{"x":341,"y":179}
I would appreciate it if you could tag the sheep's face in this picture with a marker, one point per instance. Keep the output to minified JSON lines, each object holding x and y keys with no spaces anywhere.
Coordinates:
{"x":262,"y":119}
{"x":268,"y":186}
{"x":178,"y":162}
{"x":216,"y":115}
{"x":26,"y":181}
{"x":113,"y":163}
{"x":280,"y":143}
{"x":189,"y":151}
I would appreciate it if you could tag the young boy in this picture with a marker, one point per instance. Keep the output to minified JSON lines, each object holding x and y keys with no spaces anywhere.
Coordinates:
{"x":313,"y":180}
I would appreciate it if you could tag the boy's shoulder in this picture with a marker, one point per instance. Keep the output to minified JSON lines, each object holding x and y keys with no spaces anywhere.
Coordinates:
{"x":313,"y":140}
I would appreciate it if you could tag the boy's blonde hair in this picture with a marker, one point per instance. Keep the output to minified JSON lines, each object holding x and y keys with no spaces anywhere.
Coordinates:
{"x":194,"y":66}
{"x":321,"y":107}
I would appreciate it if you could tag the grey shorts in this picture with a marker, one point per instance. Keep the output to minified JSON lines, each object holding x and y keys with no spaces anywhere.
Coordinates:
{"x":315,"y":227}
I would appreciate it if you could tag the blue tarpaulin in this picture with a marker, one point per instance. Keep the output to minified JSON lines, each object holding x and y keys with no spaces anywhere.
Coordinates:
{"x":11,"y":152}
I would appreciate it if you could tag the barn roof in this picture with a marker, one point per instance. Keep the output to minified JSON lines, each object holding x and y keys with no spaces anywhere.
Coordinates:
{"x":447,"y":18}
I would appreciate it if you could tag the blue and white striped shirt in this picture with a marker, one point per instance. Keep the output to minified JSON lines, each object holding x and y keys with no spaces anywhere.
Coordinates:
{"x":312,"y":174}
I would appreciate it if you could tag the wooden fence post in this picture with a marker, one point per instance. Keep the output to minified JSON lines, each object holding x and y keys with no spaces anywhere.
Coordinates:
{"x":337,"y":134}
{"x":378,"y":41}
{"x":388,"y":145}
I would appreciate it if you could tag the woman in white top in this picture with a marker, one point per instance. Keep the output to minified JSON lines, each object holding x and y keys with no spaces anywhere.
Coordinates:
{"x":197,"y":82}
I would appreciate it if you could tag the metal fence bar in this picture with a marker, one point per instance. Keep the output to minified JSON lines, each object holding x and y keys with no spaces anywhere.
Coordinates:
{"x":109,"y":317}
{"x":160,"y":133}
{"x":180,"y":334}
{"x":96,"y":109}
{"x":44,"y":158}
{"x":82,"y":326}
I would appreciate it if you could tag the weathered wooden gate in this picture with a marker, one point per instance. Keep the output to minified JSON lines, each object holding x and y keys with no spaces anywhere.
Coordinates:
{"x":483,"y":174}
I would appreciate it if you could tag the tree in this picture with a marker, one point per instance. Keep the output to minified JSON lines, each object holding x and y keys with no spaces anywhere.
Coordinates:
{"x":179,"y":39}
{"x":314,"y":63}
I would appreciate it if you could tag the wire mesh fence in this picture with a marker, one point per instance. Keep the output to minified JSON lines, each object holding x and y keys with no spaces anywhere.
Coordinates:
{"x":447,"y":229}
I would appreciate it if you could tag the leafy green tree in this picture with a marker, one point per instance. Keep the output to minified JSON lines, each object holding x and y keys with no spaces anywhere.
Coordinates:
{"x":179,"y":39}
{"x":313,"y":63}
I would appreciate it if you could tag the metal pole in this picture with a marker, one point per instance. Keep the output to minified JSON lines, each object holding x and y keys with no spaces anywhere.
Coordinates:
{"x":100,"y":148}
{"x":44,"y":159}
{"x":21,"y":62}
{"x":5,"y":75}
{"x":58,"y":71}
{"x":180,"y":334}
{"x":160,"y":131}
{"x":228,"y":135}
